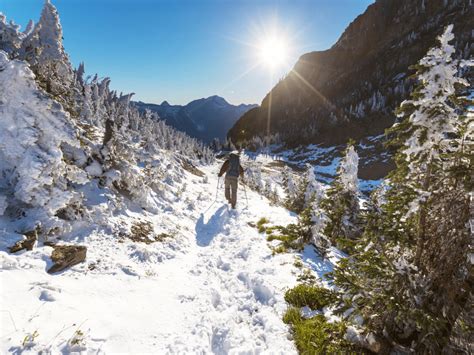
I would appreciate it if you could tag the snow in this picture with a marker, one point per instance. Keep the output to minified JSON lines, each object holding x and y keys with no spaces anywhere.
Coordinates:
{"x":213,"y":286}
{"x":33,"y":128}
{"x":348,"y":170}
{"x":324,"y":159}
{"x":3,"y":204}
{"x":321,"y":266}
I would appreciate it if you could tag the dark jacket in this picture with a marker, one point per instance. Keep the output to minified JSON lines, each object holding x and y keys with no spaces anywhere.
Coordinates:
{"x":226,"y":167}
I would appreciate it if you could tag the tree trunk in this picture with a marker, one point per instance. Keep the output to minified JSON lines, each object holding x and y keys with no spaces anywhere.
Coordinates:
{"x":421,"y":236}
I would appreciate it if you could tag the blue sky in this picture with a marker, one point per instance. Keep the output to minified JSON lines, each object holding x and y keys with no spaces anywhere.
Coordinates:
{"x":180,"y":50}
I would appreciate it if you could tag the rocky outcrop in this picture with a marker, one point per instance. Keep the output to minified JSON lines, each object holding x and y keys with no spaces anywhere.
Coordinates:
{"x":65,"y":256}
{"x":352,"y":89}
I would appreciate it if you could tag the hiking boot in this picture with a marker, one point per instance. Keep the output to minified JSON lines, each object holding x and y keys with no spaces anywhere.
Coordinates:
{"x":233,"y":206}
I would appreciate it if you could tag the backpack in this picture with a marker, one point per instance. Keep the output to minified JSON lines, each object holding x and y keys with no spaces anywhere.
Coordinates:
{"x":234,"y":166}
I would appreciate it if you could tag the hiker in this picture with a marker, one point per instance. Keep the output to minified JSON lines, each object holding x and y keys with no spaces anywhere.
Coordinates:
{"x":233,"y":170}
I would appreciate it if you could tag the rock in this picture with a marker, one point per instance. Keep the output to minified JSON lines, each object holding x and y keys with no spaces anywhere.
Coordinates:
{"x":65,"y":256}
{"x":143,"y":232}
{"x":28,"y":243}
{"x":376,"y":344}
{"x":191,"y":168}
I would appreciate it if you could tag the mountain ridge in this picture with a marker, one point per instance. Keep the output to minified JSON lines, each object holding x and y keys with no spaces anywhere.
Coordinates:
{"x":352,"y":89}
{"x":205,"y":119}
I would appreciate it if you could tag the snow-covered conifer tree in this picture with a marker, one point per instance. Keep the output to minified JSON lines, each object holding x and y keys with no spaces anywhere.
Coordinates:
{"x":342,"y":202}
{"x":10,"y":36}
{"x":314,"y":190}
{"x":409,"y":274}
{"x":43,"y":49}
{"x":287,"y":182}
{"x":33,"y":132}
{"x":314,"y":195}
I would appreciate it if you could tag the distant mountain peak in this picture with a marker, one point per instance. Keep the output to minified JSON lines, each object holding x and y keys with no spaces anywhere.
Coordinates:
{"x":204,"y":119}
{"x":218,"y":100}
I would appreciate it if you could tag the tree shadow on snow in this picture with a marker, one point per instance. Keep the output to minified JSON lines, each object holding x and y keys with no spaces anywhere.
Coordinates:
{"x":205,"y":232}
{"x":319,"y":264}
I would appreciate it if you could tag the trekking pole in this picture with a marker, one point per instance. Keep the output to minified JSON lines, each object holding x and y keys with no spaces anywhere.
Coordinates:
{"x":217,"y":192}
{"x":245,"y":191}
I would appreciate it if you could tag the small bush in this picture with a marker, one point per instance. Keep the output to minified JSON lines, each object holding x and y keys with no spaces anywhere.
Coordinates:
{"x":294,"y":236}
{"x":316,"y":336}
{"x":314,"y":297}
{"x":306,"y":277}
{"x":292,"y":316}
{"x":298,"y":263}
{"x":279,"y":249}
{"x":261,"y":224}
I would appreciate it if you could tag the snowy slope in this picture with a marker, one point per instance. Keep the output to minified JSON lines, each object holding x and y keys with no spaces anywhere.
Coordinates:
{"x":212,"y":287}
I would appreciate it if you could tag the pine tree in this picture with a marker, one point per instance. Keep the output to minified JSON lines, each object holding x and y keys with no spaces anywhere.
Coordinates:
{"x":43,"y":49}
{"x":314,"y":195}
{"x":313,"y":189}
{"x":275,"y":197}
{"x":33,"y":135}
{"x":11,"y":37}
{"x":410,"y":276}
{"x":300,"y":191}
{"x":289,"y":187}
{"x":341,"y":204}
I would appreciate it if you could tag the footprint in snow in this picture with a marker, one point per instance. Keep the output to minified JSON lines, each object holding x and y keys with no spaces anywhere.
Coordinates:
{"x":215,"y":298}
{"x":260,"y":291}
{"x":244,"y":253}
{"x":224,"y":266}
{"x":219,"y":341}
{"x":47,"y":296}
{"x":47,"y":292}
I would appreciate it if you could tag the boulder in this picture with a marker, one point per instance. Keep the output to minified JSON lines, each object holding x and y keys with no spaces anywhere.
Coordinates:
{"x":27,"y":243}
{"x":65,"y":256}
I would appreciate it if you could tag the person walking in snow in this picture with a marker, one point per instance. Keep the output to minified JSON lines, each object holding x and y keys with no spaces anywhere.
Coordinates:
{"x":233,"y":170}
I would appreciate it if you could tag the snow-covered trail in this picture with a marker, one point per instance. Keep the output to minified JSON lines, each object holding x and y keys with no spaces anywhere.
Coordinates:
{"x":219,"y":290}
{"x":237,"y":301}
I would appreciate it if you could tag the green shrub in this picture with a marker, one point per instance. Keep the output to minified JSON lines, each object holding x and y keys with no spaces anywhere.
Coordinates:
{"x":317,"y":336}
{"x":298,"y":263}
{"x":293,"y":236}
{"x":261,"y":224}
{"x":306,"y":276}
{"x":292,"y":316}
{"x":314,"y":297}
{"x":279,"y":249}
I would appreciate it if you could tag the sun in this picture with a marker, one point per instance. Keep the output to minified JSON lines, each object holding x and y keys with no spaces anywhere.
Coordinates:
{"x":273,"y":52}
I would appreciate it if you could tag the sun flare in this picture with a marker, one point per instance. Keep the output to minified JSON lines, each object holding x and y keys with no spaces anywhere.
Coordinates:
{"x":273,"y":52}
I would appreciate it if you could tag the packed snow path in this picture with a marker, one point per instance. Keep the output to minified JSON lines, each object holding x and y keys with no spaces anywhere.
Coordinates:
{"x":215,"y":288}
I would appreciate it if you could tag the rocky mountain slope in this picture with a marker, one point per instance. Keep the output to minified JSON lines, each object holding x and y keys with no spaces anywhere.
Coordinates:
{"x":352,"y":89}
{"x":204,"y":119}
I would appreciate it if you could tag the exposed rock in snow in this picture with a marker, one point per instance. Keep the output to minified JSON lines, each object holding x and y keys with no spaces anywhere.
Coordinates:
{"x":28,"y":243}
{"x":65,"y":256}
